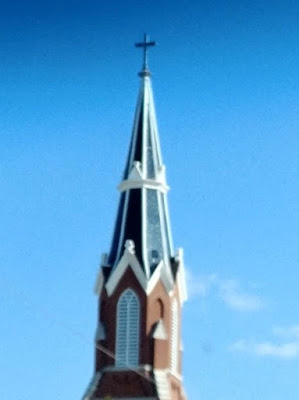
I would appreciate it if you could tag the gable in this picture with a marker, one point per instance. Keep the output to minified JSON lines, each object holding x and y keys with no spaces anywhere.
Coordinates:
{"x":129,"y":260}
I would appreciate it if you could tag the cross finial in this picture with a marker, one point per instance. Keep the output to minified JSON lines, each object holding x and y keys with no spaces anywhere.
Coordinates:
{"x":145,"y":44}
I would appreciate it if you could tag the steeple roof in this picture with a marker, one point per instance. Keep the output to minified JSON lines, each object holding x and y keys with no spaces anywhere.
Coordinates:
{"x":143,"y":212}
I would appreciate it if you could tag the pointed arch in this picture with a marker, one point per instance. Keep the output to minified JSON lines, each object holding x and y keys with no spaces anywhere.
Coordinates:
{"x":174,"y":337}
{"x":159,"y":308}
{"x":127,"y":329}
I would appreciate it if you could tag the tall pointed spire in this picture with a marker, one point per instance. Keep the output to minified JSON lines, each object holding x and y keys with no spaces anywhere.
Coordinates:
{"x":143,"y":211}
{"x":141,"y":283}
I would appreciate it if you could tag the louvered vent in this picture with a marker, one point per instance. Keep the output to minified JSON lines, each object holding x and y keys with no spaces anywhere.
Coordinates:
{"x":127,"y":333}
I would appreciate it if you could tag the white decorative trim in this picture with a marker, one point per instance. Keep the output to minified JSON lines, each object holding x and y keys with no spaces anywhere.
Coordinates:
{"x":168,"y":223}
{"x":99,"y":282}
{"x":154,"y":278}
{"x":130,"y":260}
{"x":145,"y":130}
{"x":130,"y":246}
{"x":144,"y":238}
{"x":128,"y":184}
{"x":174,"y":337}
{"x":162,"y":384}
{"x":159,"y":331}
{"x":136,"y":172}
{"x":154,"y":119}
{"x":161,"y":174}
{"x":167,"y":280}
{"x":163,"y":227}
{"x":135,"y":126}
{"x":181,"y":276}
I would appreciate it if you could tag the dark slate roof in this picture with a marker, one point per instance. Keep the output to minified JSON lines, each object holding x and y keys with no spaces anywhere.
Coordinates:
{"x":143,"y":211}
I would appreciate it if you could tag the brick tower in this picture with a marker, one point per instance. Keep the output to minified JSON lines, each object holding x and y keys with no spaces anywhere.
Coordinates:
{"x":141,"y":282}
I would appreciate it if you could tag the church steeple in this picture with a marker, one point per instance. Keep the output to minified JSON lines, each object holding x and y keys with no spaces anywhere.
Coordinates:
{"x":141,"y":281}
{"x":143,"y":212}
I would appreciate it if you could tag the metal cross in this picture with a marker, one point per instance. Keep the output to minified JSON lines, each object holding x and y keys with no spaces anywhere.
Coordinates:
{"x":145,"y":44}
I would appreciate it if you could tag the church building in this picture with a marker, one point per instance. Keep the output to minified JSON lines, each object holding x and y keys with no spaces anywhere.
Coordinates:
{"x":141,"y":283}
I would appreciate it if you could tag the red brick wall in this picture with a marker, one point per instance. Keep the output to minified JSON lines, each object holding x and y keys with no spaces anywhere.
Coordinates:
{"x":155,"y":352}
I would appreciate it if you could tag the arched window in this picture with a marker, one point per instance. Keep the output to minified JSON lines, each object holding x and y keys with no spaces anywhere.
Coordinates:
{"x":174,"y":337}
{"x":127,"y":329}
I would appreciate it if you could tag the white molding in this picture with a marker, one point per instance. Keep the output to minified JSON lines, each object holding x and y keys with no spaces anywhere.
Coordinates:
{"x":159,"y":331}
{"x":162,"y":383}
{"x":181,"y":276}
{"x":130,"y":260}
{"x":128,"y":184}
{"x":167,"y":280}
{"x":135,"y":126}
{"x":154,"y":119}
{"x":144,"y":226}
{"x":99,"y":282}
{"x":154,"y":278}
{"x":136,"y":172}
{"x":145,"y":130}
{"x":174,"y":336}
{"x":164,"y":232}
{"x":161,"y":174}
{"x":168,"y":222}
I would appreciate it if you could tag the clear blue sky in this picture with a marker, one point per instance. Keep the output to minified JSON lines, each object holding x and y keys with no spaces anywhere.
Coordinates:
{"x":226,"y":89}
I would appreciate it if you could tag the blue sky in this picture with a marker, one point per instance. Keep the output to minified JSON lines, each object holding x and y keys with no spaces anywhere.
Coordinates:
{"x":225,"y":78}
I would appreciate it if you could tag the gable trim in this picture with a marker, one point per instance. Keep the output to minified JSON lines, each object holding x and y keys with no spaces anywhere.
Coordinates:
{"x":128,"y":259}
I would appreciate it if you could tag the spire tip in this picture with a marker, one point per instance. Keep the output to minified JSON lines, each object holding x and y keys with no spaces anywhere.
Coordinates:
{"x":144,"y":45}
